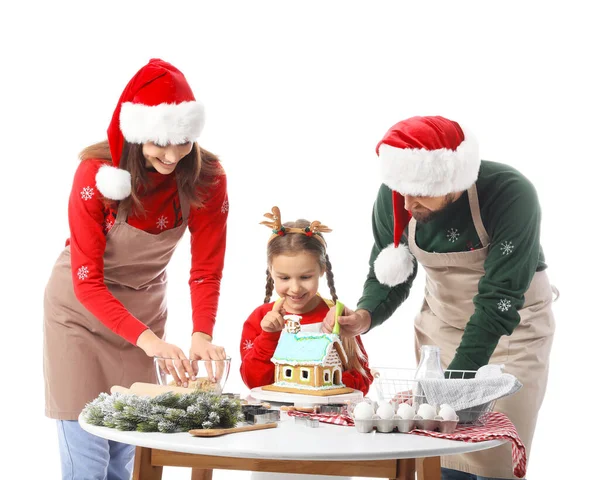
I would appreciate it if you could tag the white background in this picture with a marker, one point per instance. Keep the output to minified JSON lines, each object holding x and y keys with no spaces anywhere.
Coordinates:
{"x":297,"y":96}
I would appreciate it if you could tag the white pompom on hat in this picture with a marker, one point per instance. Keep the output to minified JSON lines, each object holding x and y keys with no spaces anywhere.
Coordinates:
{"x":395,"y":264}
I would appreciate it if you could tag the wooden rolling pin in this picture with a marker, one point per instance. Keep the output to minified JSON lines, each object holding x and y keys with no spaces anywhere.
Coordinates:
{"x":120,"y":389}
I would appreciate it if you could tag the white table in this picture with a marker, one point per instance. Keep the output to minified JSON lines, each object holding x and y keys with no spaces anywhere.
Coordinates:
{"x":292,"y":448}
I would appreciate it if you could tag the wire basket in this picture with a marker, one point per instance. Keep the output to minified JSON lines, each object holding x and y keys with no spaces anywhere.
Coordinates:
{"x":399,"y":385}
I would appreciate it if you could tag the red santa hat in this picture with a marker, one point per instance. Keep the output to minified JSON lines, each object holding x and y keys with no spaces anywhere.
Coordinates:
{"x":426,"y":157}
{"x":157,"y":106}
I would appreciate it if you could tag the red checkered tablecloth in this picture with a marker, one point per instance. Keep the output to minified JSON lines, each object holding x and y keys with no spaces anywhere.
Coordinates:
{"x":497,"y":427}
{"x":334,"y":419}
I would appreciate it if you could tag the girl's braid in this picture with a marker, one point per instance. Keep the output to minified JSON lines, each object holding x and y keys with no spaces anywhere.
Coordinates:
{"x":330,"y":281}
{"x":269,"y":287}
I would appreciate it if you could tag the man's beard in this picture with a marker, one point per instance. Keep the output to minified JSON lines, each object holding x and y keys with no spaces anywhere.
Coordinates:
{"x":432,"y":215}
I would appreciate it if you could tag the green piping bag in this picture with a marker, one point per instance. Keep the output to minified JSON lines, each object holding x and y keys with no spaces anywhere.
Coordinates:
{"x":339,"y":309}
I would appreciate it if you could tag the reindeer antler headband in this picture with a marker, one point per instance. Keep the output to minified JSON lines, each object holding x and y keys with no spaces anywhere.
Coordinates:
{"x":315,"y":229}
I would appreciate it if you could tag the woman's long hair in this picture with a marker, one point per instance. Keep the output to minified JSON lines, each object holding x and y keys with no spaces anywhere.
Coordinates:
{"x":195,"y":172}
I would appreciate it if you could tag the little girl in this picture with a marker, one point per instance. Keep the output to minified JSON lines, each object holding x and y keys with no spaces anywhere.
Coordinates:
{"x":296,"y":260}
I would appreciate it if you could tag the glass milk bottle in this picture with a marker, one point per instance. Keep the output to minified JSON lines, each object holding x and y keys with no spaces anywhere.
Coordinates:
{"x":430,"y":366}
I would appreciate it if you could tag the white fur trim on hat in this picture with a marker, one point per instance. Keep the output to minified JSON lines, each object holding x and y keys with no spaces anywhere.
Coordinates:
{"x":430,"y":173}
{"x":394,"y":265}
{"x":162,"y":124}
{"x":114,"y":183}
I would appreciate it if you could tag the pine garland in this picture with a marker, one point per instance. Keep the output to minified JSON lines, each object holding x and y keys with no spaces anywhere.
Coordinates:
{"x":166,"y":413}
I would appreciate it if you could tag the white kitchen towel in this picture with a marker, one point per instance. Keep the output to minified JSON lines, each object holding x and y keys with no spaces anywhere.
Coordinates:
{"x":461,"y":394}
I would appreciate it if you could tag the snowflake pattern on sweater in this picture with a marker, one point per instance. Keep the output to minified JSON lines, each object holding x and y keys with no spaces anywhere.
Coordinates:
{"x":87,"y":193}
{"x":225,"y":206}
{"x":82,"y":272}
{"x":452,"y":235}
{"x":507,"y":248}
{"x":504,"y":305}
{"x":162,"y":222}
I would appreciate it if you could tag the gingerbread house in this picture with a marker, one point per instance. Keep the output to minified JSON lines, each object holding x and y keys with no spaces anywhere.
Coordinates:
{"x":309,"y":362}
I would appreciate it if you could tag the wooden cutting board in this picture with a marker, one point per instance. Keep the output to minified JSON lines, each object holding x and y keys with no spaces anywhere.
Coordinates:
{"x":216,"y":432}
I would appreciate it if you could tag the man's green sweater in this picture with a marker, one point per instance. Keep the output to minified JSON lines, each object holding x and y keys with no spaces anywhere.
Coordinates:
{"x":511,"y":215}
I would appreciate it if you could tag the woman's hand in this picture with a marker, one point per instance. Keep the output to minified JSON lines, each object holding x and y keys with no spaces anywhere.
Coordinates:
{"x":170,"y":358}
{"x":203,"y":349}
{"x":273,"y":321}
{"x":351,"y":323}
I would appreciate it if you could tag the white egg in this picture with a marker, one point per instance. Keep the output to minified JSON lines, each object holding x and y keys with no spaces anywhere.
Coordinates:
{"x":406,"y":411}
{"x":385,"y":411}
{"x":363,"y":411}
{"x":426,"y":411}
{"x":447,"y":413}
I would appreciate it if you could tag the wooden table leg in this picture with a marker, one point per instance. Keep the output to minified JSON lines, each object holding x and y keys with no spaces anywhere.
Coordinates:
{"x":142,"y":466}
{"x":405,"y":469}
{"x":429,"y":468}
{"x":201,"y":474}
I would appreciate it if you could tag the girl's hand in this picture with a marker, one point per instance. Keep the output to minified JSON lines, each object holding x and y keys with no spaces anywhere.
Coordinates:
{"x":170,"y":357}
{"x":273,"y":321}
{"x":203,"y":349}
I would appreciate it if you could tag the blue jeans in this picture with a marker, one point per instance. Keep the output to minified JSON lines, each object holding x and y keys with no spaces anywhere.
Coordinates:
{"x":84,"y":456}
{"x":448,"y":474}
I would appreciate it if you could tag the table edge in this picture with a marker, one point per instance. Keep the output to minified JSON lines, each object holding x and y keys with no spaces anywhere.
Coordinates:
{"x":115,"y":435}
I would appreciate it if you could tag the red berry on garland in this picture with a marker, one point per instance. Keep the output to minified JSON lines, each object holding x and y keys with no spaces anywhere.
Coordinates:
{"x":281,"y":233}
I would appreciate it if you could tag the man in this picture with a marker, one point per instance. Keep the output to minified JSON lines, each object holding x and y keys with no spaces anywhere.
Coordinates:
{"x":475,"y":229}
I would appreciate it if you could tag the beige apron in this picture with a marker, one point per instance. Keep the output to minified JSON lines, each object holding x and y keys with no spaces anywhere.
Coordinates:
{"x":82,"y":357}
{"x":451,"y":284}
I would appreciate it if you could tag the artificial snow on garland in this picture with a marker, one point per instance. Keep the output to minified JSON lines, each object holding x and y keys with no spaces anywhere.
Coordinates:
{"x":166,"y":413}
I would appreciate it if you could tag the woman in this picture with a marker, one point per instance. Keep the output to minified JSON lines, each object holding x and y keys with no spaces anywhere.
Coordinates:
{"x":105,"y":305}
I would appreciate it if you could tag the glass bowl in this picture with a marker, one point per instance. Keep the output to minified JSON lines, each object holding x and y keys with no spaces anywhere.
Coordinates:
{"x":205,"y":375}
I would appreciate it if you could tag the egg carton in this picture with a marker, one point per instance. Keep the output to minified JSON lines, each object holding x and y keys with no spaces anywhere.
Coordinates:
{"x":401,"y":425}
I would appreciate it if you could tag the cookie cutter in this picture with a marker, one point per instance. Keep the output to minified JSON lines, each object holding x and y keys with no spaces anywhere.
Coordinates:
{"x":333,"y":409}
{"x":312,"y":422}
{"x":260,"y":415}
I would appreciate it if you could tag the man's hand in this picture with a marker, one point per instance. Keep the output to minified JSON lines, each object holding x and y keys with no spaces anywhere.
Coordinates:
{"x":351,"y":323}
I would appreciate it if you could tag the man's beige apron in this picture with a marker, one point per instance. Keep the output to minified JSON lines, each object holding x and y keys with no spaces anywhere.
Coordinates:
{"x":82,"y":357}
{"x":451,"y":284}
